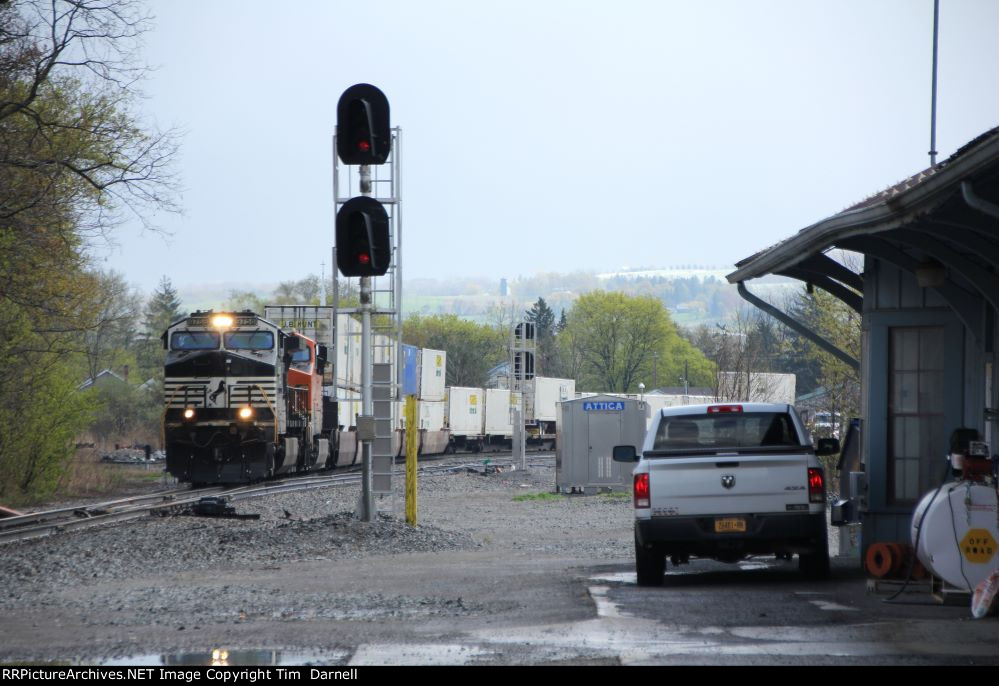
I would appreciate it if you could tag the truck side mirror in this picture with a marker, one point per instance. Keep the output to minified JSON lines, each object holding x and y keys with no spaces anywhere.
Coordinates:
{"x":625,"y":453}
{"x":827,"y":446}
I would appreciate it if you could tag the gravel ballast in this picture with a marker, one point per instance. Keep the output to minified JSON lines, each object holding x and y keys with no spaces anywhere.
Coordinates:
{"x":306,"y":563}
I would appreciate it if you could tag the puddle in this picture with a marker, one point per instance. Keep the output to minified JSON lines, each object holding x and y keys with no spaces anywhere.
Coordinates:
{"x":605,"y":606}
{"x":219,"y":657}
{"x":430,"y":654}
{"x":829,"y":606}
{"x":620,"y":578}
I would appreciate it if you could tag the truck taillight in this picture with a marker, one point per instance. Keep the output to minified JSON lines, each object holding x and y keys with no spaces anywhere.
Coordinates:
{"x":641,"y":490}
{"x":816,"y":485}
{"x":724,"y":409}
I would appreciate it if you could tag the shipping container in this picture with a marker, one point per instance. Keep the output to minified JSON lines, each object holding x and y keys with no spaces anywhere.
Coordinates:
{"x":498,"y":418}
{"x":348,"y":407}
{"x":465,"y":411}
{"x":383,"y":349}
{"x":548,"y":392}
{"x":313,"y":321}
{"x":432,"y":414}
{"x":756,"y":387}
{"x":410,"y":370}
{"x":433,"y":377}
{"x":348,"y":353}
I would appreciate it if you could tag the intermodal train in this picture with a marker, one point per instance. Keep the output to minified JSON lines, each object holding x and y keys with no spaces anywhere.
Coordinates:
{"x":244,"y":401}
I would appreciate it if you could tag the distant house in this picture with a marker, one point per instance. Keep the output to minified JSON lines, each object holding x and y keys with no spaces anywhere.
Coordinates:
{"x":499,"y":376}
{"x":149,"y":386}
{"x":103,"y":378}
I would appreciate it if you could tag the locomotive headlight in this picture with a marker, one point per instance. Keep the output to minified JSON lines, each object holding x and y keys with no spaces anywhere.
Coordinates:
{"x":245,"y":412}
{"x":188,"y":413}
{"x":221,"y":321}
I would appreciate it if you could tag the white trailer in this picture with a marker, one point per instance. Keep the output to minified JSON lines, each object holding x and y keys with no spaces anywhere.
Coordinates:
{"x":433,"y":376}
{"x":432,"y":415}
{"x":548,"y":393}
{"x":465,"y":416}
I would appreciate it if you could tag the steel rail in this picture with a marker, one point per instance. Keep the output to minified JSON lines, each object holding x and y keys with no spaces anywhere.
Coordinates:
{"x":40,"y":524}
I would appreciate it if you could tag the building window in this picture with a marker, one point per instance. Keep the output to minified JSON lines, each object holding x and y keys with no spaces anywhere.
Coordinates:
{"x":916,"y":424}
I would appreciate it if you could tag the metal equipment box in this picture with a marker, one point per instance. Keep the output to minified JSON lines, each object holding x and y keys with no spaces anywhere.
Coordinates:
{"x":588,"y":430}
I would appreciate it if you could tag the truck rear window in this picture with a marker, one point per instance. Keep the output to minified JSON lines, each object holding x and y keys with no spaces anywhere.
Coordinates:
{"x":726,"y":431}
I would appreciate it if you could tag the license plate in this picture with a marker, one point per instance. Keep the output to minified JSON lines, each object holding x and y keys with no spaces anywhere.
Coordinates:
{"x":724,"y":525}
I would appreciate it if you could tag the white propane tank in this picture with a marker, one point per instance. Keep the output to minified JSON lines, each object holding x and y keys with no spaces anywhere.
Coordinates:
{"x":960,"y":531}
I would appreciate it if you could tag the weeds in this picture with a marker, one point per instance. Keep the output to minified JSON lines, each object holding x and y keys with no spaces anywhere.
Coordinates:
{"x":544,"y":495}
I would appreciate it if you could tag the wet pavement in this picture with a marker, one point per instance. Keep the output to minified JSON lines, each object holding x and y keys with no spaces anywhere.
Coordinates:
{"x":756,"y":612}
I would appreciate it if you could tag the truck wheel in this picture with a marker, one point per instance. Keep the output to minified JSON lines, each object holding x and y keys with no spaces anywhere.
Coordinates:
{"x":815,"y":565}
{"x":650,"y":565}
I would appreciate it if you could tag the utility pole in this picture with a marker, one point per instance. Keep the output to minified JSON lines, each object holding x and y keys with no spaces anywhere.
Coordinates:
{"x":933,"y":97}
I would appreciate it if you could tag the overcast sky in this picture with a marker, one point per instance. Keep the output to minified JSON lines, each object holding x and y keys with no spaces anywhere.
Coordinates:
{"x":549,"y":135}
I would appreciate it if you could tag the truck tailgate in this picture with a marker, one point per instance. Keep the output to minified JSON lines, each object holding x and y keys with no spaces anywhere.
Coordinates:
{"x":716,"y":484}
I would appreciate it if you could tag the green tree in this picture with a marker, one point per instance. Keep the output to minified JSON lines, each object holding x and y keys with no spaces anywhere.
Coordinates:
{"x":74,"y":163}
{"x":613,"y":341}
{"x":543,"y":319}
{"x":110,"y":337}
{"x":125,"y":413}
{"x":839,"y":324}
{"x":161,"y":310}
{"x":472,"y":349}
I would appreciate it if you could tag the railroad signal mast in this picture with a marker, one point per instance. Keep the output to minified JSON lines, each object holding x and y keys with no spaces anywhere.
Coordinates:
{"x":369,"y":246}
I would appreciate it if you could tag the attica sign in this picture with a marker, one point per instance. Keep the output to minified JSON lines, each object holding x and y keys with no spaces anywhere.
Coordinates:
{"x":611,"y":406}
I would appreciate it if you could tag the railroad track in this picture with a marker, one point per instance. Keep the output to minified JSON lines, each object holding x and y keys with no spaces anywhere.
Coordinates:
{"x":49,"y":522}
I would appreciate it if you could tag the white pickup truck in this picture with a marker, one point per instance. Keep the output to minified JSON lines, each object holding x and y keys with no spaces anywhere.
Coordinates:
{"x":727,"y":481}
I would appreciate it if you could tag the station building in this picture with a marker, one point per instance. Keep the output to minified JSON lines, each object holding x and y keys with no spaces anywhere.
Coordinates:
{"x":928,"y":296}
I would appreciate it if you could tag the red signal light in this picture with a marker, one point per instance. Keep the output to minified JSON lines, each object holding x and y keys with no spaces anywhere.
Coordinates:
{"x":364,"y":258}
{"x":363,"y":145}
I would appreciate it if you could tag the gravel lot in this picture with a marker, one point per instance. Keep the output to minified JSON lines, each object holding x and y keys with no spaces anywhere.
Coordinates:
{"x":179,"y":583}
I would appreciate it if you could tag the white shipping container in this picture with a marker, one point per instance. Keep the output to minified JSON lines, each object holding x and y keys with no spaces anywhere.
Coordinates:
{"x":348,"y":352}
{"x":757,"y":387}
{"x":316,"y":322}
{"x":384,"y":350}
{"x":348,"y":407}
{"x":548,"y":392}
{"x":433,"y":365}
{"x":432,"y":414}
{"x":465,"y":411}
{"x":498,"y":421}
{"x":516,"y":398}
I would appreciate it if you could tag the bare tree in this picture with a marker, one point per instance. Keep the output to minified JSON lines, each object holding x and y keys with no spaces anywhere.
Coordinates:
{"x":71,"y":139}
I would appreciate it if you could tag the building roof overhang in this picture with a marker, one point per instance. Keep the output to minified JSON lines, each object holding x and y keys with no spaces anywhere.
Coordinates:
{"x":931,"y":212}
